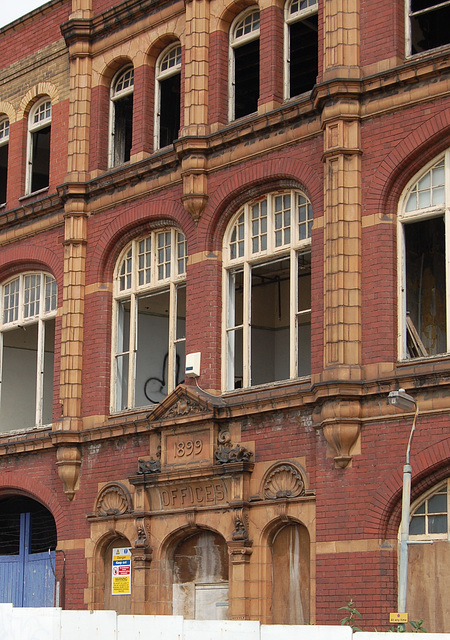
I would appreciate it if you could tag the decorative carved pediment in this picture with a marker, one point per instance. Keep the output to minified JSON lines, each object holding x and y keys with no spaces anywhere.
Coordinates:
{"x":114,"y":499}
{"x":284,"y":480}
{"x":185,"y":402}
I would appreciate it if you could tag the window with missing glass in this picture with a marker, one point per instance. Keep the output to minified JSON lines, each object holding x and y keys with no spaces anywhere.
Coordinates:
{"x":4,"y":148}
{"x":301,"y":47}
{"x":149,"y":319}
{"x":423,"y":260}
{"x":427,"y":25}
{"x":38,"y":149}
{"x":121,"y":117}
{"x":168,"y":96}
{"x":244,"y":65}
{"x":267,"y":291}
{"x":27,"y":345}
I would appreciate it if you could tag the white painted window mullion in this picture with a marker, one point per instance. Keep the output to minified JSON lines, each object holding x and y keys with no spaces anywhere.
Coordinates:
{"x":246,"y":321}
{"x":171,"y":363}
{"x":40,"y":372}
{"x":293,"y":315}
{"x":132,"y":350}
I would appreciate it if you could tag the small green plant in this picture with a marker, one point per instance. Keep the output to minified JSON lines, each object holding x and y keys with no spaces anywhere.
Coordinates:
{"x":417,"y":627}
{"x":349,"y":619}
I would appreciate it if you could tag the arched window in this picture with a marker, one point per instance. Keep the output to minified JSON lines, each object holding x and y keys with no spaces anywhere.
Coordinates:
{"x":150,"y":316}
{"x":302,"y":46}
{"x":244,"y":65}
{"x":429,"y":558}
{"x":267,"y":291}
{"x":4,"y":145}
{"x":121,"y":118}
{"x":167,"y":96}
{"x":424,"y":265}
{"x":38,"y":152}
{"x":27,"y":340}
{"x":428,"y":20}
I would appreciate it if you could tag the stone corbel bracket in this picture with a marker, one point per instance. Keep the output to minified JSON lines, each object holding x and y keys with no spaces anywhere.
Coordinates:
{"x":192,"y":152}
{"x":68,"y":461}
{"x":340,"y":422}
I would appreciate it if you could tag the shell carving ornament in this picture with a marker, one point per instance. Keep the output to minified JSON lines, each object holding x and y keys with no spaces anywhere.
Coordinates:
{"x":113,"y":500}
{"x":284,"y":481}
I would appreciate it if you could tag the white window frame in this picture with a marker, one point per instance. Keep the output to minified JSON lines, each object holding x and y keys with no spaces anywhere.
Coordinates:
{"x":424,"y":499}
{"x":4,"y":141}
{"x":47,"y":302}
{"x":410,"y":14}
{"x":236,"y":41}
{"x":40,"y":117}
{"x":426,"y":213}
{"x":127,"y":76}
{"x":289,"y":18}
{"x":245,"y":262}
{"x":160,"y":75}
{"x":127,"y":288}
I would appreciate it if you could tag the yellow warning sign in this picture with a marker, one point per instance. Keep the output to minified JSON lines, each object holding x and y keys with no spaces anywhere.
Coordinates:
{"x":398,"y":618}
{"x":121,"y":572}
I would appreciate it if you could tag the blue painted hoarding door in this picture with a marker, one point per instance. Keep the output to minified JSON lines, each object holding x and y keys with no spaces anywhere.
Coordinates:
{"x":27,"y":579}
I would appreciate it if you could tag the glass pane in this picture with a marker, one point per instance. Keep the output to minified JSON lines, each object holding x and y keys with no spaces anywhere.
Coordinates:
{"x":417,"y":526}
{"x":31,"y":294}
{"x":122,"y":363}
{"x":144,"y":261}
{"x":420,"y":509}
{"x":51,"y":294}
{"x":11,"y":301}
{"x":237,"y":239}
{"x":438,"y":503}
{"x":152,"y":349}
{"x":437,"y":524}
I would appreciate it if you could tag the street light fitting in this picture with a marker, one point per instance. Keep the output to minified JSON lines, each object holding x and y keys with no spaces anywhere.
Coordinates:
{"x":402,"y":400}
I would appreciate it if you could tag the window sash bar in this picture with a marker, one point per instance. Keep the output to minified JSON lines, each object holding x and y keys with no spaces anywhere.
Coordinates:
{"x":421,"y":12}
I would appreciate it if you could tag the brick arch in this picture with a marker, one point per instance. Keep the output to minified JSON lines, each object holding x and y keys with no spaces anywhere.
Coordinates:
{"x":130,"y":223}
{"x":40,"y":89}
{"x":19,"y":259}
{"x":111,"y":67}
{"x":231,"y":11}
{"x":12,"y":482}
{"x":429,"y":466}
{"x":405,"y":160}
{"x":8,"y":109}
{"x":161,"y":43}
{"x":242,"y":186}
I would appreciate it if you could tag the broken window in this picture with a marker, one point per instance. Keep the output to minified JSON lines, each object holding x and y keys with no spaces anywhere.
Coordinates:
{"x":244,"y":66}
{"x":150,"y":319}
{"x":38,"y":158}
{"x":27,"y":351}
{"x":121,"y":117}
{"x":423,"y":304}
{"x":429,"y":21}
{"x":4,"y":144}
{"x":168,"y":92}
{"x":302,"y":47}
{"x":268,"y":291}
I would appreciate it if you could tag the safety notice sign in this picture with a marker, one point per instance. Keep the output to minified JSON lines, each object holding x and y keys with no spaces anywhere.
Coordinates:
{"x":121,"y":571}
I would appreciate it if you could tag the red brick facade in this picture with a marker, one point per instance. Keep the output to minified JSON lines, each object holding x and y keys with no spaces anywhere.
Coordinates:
{"x":350,"y":146}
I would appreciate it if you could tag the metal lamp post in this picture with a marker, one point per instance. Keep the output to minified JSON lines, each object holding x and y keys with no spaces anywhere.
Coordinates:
{"x":406,"y":402}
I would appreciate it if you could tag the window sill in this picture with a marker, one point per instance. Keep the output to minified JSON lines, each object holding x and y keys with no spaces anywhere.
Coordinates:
{"x":25,"y":440}
{"x":34,"y":194}
{"x":270,"y":386}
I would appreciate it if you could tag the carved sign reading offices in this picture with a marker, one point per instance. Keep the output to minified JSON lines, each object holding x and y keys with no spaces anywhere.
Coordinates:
{"x":202,"y":493}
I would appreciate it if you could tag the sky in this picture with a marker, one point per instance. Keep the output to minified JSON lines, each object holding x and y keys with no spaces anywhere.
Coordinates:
{"x":13,"y":9}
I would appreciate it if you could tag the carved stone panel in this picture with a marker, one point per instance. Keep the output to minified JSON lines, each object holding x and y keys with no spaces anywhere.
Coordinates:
{"x":182,"y":495}
{"x":283,"y":481}
{"x":113,"y":499}
{"x":187,"y":446}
